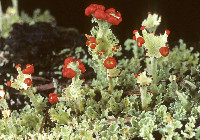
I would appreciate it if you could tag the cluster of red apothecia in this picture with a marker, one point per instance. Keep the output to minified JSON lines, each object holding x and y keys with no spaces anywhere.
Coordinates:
{"x":91,"y":42}
{"x":28,"y":70}
{"x":68,"y":72}
{"x":164,"y":51}
{"x":100,"y":53}
{"x":140,"y":40}
{"x":115,"y":48}
{"x":99,"y":12}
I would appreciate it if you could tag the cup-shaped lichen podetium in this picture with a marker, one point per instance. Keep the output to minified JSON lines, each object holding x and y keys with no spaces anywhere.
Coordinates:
{"x":143,"y":82}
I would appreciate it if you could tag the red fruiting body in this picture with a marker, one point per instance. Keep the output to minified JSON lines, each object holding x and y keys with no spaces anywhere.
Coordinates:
{"x":100,"y":7}
{"x":134,"y":31}
{"x":90,"y":10}
{"x":68,"y":72}
{"x":117,"y":47}
{"x":87,"y":43}
{"x":139,"y":44}
{"x":93,"y":8}
{"x":102,"y":50}
{"x":136,"y":75}
{"x":53,"y":98}
{"x":113,"y":49}
{"x":110,"y":63}
{"x":134,"y":37}
{"x":28,"y":70}
{"x":64,"y":67}
{"x":142,"y":28}
{"x":8,"y":83}
{"x":28,"y":81}
{"x":68,"y":60}
{"x":92,"y":40}
{"x":167,"y":32}
{"x":140,"y":41}
{"x":111,"y":19}
{"x":149,"y":13}
{"x":98,"y":11}
{"x":100,"y":14}
{"x":111,"y":10}
{"x":82,"y":68}
{"x":118,"y":14}
{"x":19,"y":65}
{"x":93,"y":5}
{"x":92,"y":46}
{"x":164,"y":51}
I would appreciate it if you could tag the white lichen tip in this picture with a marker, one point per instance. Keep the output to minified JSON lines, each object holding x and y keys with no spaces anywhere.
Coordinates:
{"x":2,"y":93}
{"x":153,"y":43}
{"x":18,"y":83}
{"x":152,"y":22}
{"x":143,"y":80}
{"x":6,"y":113}
{"x":172,"y":78}
{"x":11,"y":11}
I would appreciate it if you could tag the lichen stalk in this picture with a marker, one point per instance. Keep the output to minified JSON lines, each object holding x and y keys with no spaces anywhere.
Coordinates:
{"x":143,"y":91}
{"x":1,"y":18}
{"x":30,"y":94}
{"x":110,"y":81}
{"x":154,"y":70}
{"x":182,"y":97}
{"x":15,"y":5}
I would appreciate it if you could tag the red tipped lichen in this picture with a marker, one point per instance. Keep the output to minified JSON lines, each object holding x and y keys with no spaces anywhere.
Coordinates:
{"x":68,"y":60}
{"x":19,"y":65}
{"x":135,"y":31}
{"x":28,"y":81}
{"x":142,"y":28}
{"x":110,"y":63}
{"x":8,"y":83}
{"x":68,"y":72}
{"x":99,"y":12}
{"x":167,"y":32}
{"x":28,"y":70}
{"x":53,"y":98}
{"x":140,"y":41}
{"x":92,"y":46}
{"x":164,"y":51}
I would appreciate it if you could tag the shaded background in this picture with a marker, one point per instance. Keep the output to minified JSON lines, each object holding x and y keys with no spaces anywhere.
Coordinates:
{"x":181,"y":17}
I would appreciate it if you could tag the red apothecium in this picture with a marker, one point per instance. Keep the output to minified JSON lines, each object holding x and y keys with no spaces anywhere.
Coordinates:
{"x":164,"y":51}
{"x":8,"y":83}
{"x":110,"y":63}
{"x":140,"y":41}
{"x":167,"y":32}
{"x":53,"y":98}
{"x":28,"y":70}
{"x":68,"y":72}
{"x":28,"y":81}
